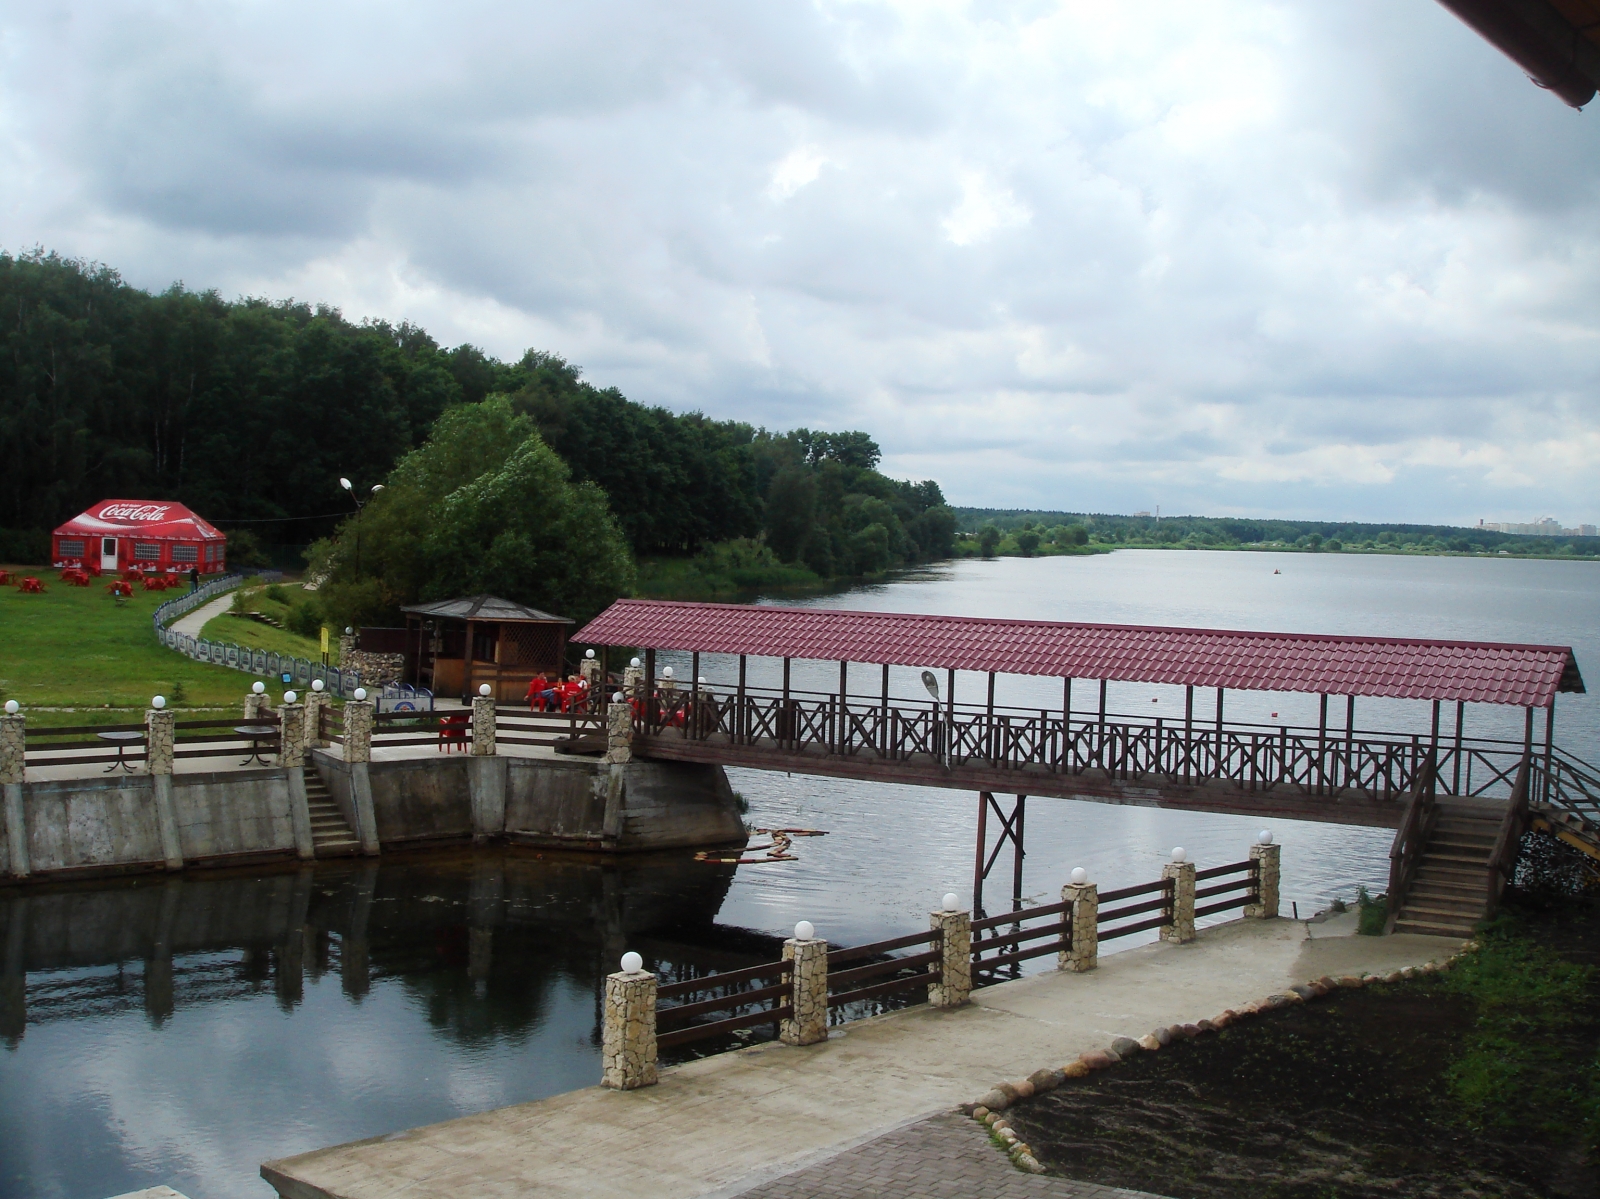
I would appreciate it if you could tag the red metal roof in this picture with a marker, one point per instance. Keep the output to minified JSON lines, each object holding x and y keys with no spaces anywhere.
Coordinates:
{"x":1395,"y":667}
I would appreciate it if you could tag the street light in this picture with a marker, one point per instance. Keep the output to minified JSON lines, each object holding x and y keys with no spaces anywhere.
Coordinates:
{"x":359,"y":503}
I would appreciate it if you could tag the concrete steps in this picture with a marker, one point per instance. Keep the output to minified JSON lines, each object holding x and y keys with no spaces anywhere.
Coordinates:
{"x":1449,"y":893}
{"x":331,"y":834}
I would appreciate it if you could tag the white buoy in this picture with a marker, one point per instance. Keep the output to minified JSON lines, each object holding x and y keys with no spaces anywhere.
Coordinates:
{"x":952,"y":902}
{"x":1265,"y":836}
{"x":805,"y":931}
{"x":1179,"y":854}
{"x":483,"y":690}
{"x":158,"y":702}
{"x":289,"y":697}
{"x":632,"y":962}
{"x":1080,"y":875}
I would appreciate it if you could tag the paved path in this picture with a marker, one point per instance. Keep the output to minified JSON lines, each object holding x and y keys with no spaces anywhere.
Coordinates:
{"x":942,"y":1157}
{"x":715,"y":1124}
{"x":192,"y":622}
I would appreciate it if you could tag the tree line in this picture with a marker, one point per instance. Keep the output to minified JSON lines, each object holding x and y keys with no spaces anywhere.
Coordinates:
{"x":250,"y":412}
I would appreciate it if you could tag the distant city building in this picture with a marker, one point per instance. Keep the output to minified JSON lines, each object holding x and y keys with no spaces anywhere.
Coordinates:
{"x":1545,"y":526}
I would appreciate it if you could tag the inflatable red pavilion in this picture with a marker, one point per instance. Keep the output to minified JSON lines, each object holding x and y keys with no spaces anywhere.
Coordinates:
{"x":151,"y":535}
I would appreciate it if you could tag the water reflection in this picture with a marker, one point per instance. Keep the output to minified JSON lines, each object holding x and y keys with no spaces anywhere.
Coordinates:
{"x":183,"y":1030}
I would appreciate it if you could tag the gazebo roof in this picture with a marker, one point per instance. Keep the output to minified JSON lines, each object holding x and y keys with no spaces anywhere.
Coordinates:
{"x":484,"y":607}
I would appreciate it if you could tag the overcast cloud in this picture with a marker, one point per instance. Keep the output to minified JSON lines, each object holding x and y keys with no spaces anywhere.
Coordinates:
{"x":1228,"y":256}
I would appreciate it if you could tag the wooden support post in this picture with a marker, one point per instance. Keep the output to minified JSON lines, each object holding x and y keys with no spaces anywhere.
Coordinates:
{"x":785,"y":724}
{"x":883,"y":714}
{"x":649,"y":692}
{"x":1455,"y":773}
{"x":1350,"y":774}
{"x":1017,"y":851}
{"x":1549,"y":747}
{"x":1218,"y":771}
{"x":988,"y":724}
{"x":741,"y":720}
{"x":841,"y":733}
{"x":1322,"y":744}
{"x":1066,"y":723}
{"x":691,"y":726}
{"x":1434,"y":746}
{"x":1100,"y":733}
{"x":983,"y":844}
{"x":1188,"y":733}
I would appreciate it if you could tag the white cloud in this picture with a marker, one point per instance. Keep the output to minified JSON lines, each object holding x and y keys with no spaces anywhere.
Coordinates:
{"x":1256,"y":255}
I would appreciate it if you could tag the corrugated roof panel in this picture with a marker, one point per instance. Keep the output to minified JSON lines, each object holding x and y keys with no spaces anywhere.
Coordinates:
{"x":1401,"y":668}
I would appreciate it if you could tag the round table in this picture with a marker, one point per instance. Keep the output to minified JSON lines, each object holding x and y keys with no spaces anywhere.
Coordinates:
{"x":121,"y":741}
{"x":256,"y":734}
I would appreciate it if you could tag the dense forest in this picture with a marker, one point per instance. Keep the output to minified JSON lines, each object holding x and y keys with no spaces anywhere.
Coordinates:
{"x":250,"y":411}
{"x":1079,"y":531}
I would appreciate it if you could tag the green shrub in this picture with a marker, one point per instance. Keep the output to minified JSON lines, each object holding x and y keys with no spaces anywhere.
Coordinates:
{"x":276,"y":594}
{"x":304,"y":618}
{"x":1374,"y":913}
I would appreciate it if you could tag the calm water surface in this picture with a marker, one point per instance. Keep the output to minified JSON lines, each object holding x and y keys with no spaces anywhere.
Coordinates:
{"x":183,"y":1031}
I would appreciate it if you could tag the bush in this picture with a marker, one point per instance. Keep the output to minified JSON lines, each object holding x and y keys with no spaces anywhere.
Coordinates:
{"x":304,"y":618}
{"x":1374,"y":913}
{"x":276,"y":594}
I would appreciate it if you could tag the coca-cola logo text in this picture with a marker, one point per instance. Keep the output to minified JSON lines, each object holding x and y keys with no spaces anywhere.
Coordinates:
{"x":151,"y":512}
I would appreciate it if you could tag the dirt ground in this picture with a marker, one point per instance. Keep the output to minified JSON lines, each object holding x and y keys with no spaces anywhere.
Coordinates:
{"x":1364,"y":1093}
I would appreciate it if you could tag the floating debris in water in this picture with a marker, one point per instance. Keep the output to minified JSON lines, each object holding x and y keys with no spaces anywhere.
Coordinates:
{"x":777,"y":850}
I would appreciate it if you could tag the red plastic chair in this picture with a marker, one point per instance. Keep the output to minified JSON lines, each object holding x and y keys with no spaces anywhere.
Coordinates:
{"x":453,"y":731}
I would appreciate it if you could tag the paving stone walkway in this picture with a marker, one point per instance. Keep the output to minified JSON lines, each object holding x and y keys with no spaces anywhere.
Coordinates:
{"x":942,"y":1157}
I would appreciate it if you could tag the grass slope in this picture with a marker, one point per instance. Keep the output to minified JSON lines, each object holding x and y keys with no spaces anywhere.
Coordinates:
{"x":77,"y":648}
{"x":241,"y":630}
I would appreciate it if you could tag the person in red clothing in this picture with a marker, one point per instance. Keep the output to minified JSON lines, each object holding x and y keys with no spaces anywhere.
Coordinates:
{"x":539,"y":693}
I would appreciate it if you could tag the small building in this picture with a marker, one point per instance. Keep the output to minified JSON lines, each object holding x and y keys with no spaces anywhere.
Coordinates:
{"x":454,"y":646}
{"x":152,"y":535}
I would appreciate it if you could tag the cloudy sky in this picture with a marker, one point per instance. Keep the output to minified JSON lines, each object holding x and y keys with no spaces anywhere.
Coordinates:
{"x":1225,"y":256}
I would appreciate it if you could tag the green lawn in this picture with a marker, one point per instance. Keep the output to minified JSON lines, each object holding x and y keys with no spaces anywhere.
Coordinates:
{"x":241,"y":630}
{"x":77,"y":648}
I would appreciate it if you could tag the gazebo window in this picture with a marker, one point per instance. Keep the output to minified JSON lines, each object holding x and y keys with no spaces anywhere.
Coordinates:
{"x":186,"y":553}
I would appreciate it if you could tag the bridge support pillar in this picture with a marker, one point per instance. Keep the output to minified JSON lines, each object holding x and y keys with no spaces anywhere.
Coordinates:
{"x":1083,"y":920}
{"x":955,"y":963}
{"x":1181,"y":876}
{"x":619,"y":732}
{"x":1267,"y":874}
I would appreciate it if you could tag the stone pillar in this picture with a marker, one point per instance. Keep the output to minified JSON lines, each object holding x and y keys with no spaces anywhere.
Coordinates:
{"x":347,"y":646}
{"x":486,"y":788}
{"x":1182,"y":927}
{"x":316,"y":701}
{"x":809,"y":1024}
{"x":589,"y":671}
{"x":256,"y":706}
{"x":1266,"y":859}
{"x":633,"y":682}
{"x":292,"y":736}
{"x":292,"y":757}
{"x":358,"y":731}
{"x":158,"y":739}
{"x":358,"y":752}
{"x":13,"y":745}
{"x":628,"y":1039}
{"x":483,"y":725}
{"x":619,"y":733}
{"x":955,"y":963}
{"x":1084,"y":919}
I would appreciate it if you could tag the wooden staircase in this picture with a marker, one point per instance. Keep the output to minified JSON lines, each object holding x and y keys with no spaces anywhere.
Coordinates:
{"x":1449,"y":891}
{"x":331,"y":834}
{"x":1569,"y":826}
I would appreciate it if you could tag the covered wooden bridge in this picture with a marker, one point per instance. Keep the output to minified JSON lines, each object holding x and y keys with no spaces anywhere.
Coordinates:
{"x":1076,"y":747}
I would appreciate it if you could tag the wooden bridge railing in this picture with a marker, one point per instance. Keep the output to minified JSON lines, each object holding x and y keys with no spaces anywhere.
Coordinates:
{"x":1308,"y":762}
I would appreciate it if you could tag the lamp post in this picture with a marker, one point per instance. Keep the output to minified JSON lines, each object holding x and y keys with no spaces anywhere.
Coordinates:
{"x":360,"y":504}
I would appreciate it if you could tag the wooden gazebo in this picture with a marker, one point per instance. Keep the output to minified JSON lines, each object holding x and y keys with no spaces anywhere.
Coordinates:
{"x":454,"y":646}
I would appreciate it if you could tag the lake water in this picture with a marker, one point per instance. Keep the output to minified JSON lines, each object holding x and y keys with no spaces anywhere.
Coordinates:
{"x":304,"y":1008}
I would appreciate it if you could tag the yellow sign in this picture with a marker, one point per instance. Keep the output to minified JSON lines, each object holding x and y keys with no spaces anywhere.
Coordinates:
{"x":324,"y":638}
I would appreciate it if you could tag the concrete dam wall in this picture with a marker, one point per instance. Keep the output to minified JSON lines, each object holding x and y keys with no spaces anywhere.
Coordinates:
{"x":133,"y":822}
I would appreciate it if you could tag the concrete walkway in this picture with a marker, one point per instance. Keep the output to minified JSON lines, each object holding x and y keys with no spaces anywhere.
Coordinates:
{"x":191,"y":623}
{"x":725,"y":1124}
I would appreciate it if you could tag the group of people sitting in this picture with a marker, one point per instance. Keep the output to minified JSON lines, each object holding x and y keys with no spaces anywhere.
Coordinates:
{"x":546,"y":695}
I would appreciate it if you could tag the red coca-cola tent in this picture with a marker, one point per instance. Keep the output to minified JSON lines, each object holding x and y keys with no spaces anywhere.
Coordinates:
{"x":152,"y":535}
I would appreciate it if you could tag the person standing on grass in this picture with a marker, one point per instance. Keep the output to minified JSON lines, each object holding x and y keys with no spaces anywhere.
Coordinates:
{"x":194,"y":579}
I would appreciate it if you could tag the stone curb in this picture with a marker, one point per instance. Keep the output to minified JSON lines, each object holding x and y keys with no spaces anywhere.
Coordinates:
{"x":989,"y":1108}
